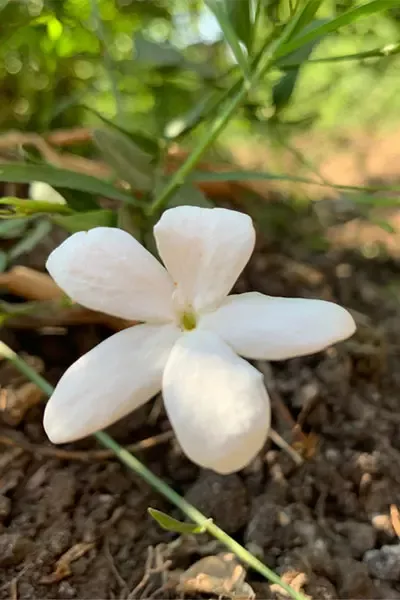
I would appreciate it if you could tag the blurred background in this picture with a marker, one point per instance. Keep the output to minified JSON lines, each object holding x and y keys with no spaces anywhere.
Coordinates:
{"x":146,"y":64}
{"x":154,"y":68}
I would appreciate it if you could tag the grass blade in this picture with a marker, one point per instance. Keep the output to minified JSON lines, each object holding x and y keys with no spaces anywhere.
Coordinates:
{"x":26,"y":173}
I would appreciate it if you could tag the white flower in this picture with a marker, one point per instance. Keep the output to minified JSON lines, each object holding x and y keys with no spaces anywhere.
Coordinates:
{"x":38,"y":190}
{"x":192,"y":337}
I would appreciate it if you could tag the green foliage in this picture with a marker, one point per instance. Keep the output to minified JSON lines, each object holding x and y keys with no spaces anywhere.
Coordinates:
{"x":163,"y":58}
{"x":147,"y":73}
{"x":62,"y":178}
{"x":83,"y":221}
{"x":171,"y":524}
{"x":130,"y":163}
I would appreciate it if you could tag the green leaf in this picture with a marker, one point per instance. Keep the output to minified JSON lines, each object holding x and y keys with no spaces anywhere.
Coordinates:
{"x":218,"y":7}
{"x":171,"y":524}
{"x":130,"y":162}
{"x":31,"y":207}
{"x":40,"y":229}
{"x":371,"y":200}
{"x":145,"y":143}
{"x":13,"y":228}
{"x":156,"y":54}
{"x":78,"y":200}
{"x":306,"y":15}
{"x":346,"y":18}
{"x":189,"y":195}
{"x":62,"y":178}
{"x":239,"y":14}
{"x":184,"y":123}
{"x":283,"y":90}
{"x":197,"y":176}
{"x":3,"y":261}
{"x":84,"y":221}
{"x":385,"y":225}
{"x":131,"y":220}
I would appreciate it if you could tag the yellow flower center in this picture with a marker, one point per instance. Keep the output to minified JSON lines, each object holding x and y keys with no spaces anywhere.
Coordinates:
{"x":188,"y":321}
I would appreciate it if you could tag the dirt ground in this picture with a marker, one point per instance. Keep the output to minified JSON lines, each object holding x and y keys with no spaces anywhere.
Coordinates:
{"x":74,"y":524}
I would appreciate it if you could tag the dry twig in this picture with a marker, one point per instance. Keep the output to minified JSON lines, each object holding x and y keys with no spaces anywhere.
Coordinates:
{"x":81,"y":455}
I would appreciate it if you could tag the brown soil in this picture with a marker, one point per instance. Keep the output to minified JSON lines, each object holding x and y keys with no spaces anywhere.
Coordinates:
{"x":76,"y":526}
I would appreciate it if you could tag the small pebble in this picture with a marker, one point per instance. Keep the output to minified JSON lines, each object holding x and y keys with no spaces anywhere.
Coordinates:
{"x":223,"y":498}
{"x":5,"y":507}
{"x":360,"y":536}
{"x":13,"y":549}
{"x":384,"y":563}
{"x":353,"y":580}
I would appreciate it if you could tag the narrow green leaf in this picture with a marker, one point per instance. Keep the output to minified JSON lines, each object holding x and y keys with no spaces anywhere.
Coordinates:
{"x":346,"y":18}
{"x":13,"y":228}
{"x":63,"y":178}
{"x":239,"y":14}
{"x":385,"y":225}
{"x":83,"y":221}
{"x":190,"y":195}
{"x":306,"y":15}
{"x":156,"y":54}
{"x":182,"y":124}
{"x":40,"y":229}
{"x":131,"y":164}
{"x":283,"y":90}
{"x":78,"y":200}
{"x":371,"y":200}
{"x":197,"y":176}
{"x":3,"y":262}
{"x":291,"y":62}
{"x":145,"y":143}
{"x":220,"y":12}
{"x":31,"y":207}
{"x":131,"y":220}
{"x":171,"y":524}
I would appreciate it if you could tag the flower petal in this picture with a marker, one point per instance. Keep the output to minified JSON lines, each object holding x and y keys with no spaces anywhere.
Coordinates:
{"x":110,"y":381}
{"x":216,"y":402}
{"x":205,"y":250}
{"x":106,"y":269}
{"x":273,"y":328}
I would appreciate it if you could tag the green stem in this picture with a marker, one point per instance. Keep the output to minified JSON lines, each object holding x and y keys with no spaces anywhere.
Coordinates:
{"x":211,"y":135}
{"x":385,"y":52}
{"x":135,"y":465}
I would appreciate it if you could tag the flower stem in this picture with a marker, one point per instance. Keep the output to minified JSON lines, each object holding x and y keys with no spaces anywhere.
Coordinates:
{"x":135,"y":465}
{"x":205,"y":142}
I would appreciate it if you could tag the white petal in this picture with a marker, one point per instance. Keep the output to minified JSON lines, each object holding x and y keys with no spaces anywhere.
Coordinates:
{"x":110,"y":381}
{"x":205,"y":250}
{"x":216,"y":402}
{"x":106,"y":269}
{"x":272,"y":328}
{"x":39,"y":190}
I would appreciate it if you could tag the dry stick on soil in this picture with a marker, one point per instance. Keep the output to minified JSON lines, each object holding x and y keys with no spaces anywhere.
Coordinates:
{"x":82,"y":455}
{"x":135,"y":465}
{"x":281,"y":443}
{"x":37,"y":286}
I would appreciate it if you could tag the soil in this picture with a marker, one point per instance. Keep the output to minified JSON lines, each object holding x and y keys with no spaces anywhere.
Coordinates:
{"x":76,"y":525}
